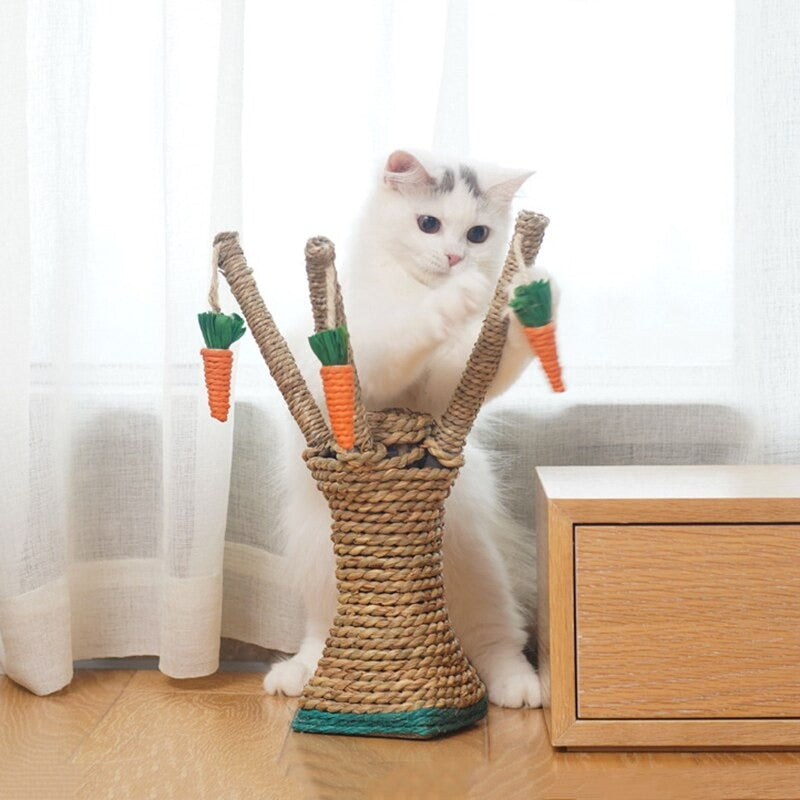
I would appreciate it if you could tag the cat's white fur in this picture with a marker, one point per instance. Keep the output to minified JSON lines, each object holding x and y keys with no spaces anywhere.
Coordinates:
{"x":413,"y":319}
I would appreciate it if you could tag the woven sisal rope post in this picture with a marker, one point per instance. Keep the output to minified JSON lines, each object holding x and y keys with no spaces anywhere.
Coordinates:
{"x":392,"y":665}
{"x":457,"y":420}
{"x":273,"y":347}
{"x":322,"y":285}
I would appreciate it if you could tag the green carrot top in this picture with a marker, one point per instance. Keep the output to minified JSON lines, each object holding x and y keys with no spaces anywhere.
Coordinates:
{"x":220,"y":331}
{"x":330,"y":346}
{"x":532,"y":304}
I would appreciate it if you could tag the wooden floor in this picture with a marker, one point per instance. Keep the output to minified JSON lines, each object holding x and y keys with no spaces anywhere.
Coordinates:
{"x":126,"y":734}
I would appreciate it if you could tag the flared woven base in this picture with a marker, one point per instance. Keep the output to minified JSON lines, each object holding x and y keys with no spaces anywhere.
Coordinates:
{"x":424,"y":723}
{"x":392,"y":665}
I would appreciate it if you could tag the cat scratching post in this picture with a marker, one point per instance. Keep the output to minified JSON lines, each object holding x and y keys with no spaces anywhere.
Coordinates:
{"x":392,"y":665}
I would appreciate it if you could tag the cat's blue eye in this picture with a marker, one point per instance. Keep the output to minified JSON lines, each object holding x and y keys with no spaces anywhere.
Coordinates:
{"x":478,"y":234}
{"x":428,"y":224}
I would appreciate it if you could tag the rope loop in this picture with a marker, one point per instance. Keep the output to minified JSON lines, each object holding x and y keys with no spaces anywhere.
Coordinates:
{"x":213,"y":289}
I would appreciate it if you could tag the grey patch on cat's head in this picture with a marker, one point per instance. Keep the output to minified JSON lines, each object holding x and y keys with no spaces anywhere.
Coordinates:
{"x":471,"y":180}
{"x":447,"y":183}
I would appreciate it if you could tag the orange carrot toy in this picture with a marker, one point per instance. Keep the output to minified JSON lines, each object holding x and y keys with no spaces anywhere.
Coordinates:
{"x":532,"y":304}
{"x":338,"y":382}
{"x":220,"y":331}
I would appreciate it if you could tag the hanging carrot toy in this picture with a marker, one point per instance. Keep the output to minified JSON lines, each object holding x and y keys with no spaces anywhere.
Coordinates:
{"x":220,"y":331}
{"x":532,"y":304}
{"x":338,"y":382}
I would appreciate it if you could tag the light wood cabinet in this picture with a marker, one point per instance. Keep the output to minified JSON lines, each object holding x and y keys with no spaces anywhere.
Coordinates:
{"x":669,"y":606}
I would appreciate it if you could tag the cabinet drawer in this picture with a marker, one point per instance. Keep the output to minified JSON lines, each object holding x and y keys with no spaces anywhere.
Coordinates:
{"x":687,"y":621}
{"x":669,"y":606}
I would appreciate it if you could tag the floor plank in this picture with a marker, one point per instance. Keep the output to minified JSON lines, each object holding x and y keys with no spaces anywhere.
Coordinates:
{"x":39,"y":735}
{"x":354,"y":767}
{"x":523,"y":762}
{"x":219,"y":683}
{"x":143,"y":735}
{"x":171,"y":743}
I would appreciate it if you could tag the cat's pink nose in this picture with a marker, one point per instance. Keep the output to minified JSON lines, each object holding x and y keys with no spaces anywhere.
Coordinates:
{"x":453,"y":259}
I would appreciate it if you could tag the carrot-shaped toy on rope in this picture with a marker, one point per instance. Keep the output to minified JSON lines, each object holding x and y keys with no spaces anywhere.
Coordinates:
{"x":533,"y":304}
{"x":338,"y":383}
{"x":220,"y":331}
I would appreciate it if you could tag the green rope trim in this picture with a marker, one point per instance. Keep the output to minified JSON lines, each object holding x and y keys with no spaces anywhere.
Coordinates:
{"x":330,"y":346}
{"x":532,"y":304}
{"x":424,"y":723}
{"x":220,"y":331}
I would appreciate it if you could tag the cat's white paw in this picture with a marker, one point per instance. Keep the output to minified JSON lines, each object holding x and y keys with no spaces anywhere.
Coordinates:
{"x":474,"y":290}
{"x":516,"y":689}
{"x":287,"y":677}
{"x":456,"y":301}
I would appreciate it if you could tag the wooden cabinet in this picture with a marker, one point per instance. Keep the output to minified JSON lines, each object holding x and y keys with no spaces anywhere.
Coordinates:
{"x":669,"y":606}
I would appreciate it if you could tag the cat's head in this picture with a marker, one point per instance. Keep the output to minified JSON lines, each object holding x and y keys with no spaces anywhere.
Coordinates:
{"x":437,"y":218}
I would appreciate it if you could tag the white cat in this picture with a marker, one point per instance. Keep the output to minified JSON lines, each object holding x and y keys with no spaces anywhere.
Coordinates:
{"x":428,"y":251}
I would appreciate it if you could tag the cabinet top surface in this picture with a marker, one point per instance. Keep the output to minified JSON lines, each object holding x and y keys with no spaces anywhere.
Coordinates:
{"x":633,"y":483}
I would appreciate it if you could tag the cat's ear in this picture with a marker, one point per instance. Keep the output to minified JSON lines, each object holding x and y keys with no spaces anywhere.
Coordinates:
{"x":506,"y":183}
{"x":403,"y":171}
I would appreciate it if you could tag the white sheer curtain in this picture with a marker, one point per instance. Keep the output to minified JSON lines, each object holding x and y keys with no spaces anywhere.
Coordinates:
{"x":767,"y":223}
{"x":124,"y":157}
{"x":132,"y":523}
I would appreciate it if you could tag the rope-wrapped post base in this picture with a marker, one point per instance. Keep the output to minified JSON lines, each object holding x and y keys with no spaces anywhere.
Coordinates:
{"x":392,"y":665}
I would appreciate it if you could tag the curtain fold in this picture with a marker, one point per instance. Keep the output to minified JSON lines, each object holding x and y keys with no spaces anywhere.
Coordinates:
{"x":124,"y":125}
{"x":132,"y":523}
{"x":768,"y":222}
{"x":14,"y":350}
